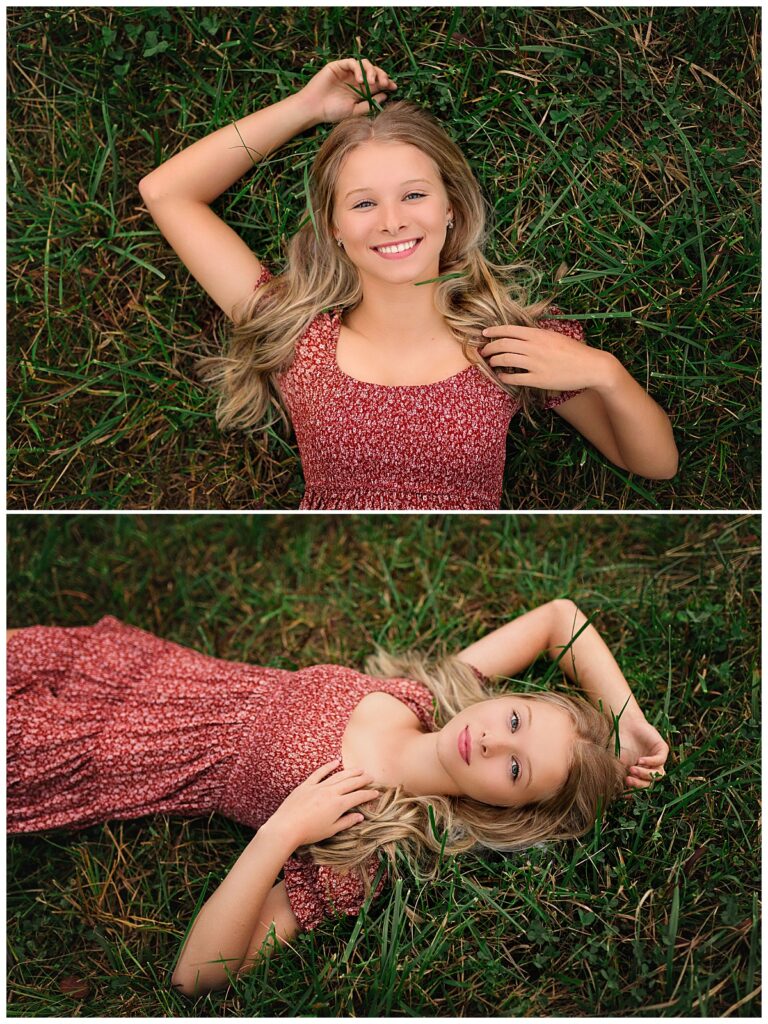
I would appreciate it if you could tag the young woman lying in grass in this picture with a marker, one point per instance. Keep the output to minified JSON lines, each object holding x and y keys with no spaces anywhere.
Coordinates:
{"x":334,"y":768}
{"x":398,"y":352}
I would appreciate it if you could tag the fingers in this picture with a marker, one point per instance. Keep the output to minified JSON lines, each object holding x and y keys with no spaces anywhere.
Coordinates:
{"x":508,"y":343}
{"x":323,"y":770}
{"x":648,"y":774}
{"x":366,"y":106}
{"x":376,"y":77}
{"x":652,"y":760}
{"x":510,"y":330}
{"x":361,"y":795}
{"x":351,"y":783}
{"x":520,"y":379}
{"x":642,"y":778}
{"x":509,"y":359}
{"x":658,"y":754}
{"x":347,"y":821}
{"x":345,"y":773}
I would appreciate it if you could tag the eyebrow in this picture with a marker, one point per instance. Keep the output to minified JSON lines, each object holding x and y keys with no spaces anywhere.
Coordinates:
{"x":369,"y":189}
{"x":530,"y":722}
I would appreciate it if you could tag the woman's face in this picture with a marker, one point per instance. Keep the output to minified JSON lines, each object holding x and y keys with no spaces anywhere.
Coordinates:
{"x":509,"y":751}
{"x":387,"y":193}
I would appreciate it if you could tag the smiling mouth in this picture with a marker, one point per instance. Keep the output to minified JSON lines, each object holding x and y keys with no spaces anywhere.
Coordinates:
{"x":401,"y":250}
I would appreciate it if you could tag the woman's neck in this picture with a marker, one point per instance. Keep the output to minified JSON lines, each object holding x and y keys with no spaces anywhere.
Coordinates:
{"x":419,"y":767}
{"x":403,"y":314}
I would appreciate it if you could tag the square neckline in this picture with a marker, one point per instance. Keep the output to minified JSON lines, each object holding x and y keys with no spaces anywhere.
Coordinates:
{"x":337,"y":315}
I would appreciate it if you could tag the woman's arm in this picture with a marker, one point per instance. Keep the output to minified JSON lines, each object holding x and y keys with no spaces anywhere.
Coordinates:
{"x":511,"y":648}
{"x":228,"y":933}
{"x":221,"y":934}
{"x":617,"y":415}
{"x":623,"y":422}
{"x":549,"y":628}
{"x":178,"y":192}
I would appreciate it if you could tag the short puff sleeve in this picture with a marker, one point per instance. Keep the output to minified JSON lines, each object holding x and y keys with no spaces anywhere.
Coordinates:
{"x":265,"y":275}
{"x":316,"y":891}
{"x":484,"y":679}
{"x":573,"y":329}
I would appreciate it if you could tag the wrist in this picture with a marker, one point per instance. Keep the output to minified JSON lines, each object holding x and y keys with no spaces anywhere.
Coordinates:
{"x":308,"y":114}
{"x":280,"y":834}
{"x":632,"y":715}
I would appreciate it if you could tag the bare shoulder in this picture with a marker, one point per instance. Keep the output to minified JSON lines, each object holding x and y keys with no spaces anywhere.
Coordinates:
{"x":377,"y":704}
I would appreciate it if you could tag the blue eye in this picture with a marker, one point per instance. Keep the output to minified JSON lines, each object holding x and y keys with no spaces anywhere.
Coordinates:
{"x":514,"y":770}
{"x":359,"y":205}
{"x":514,"y":722}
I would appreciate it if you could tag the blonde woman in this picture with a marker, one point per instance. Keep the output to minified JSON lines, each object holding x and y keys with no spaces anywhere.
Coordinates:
{"x":335,"y":769}
{"x":397,"y":352}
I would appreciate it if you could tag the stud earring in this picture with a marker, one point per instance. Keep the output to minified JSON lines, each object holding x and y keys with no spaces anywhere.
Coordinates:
{"x":450,"y":225}
{"x":339,"y":243}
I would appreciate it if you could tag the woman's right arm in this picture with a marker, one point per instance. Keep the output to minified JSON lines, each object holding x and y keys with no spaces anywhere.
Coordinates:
{"x":561,"y":629}
{"x":229,"y":930}
{"x":178,"y":192}
{"x":222,"y":930}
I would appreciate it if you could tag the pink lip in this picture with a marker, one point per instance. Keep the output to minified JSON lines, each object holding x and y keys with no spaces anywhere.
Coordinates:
{"x":465,"y":744}
{"x":399,"y":255}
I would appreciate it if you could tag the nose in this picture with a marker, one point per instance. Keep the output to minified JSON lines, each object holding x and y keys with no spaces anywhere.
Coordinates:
{"x":491,"y":743}
{"x":392,"y":220}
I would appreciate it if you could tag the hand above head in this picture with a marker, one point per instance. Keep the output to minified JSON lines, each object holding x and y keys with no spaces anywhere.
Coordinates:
{"x":643,"y":751}
{"x":540,"y":358}
{"x":337,"y":90}
{"x":320,"y":807}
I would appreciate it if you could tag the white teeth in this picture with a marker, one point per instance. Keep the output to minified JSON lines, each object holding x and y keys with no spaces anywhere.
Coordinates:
{"x":397,"y":248}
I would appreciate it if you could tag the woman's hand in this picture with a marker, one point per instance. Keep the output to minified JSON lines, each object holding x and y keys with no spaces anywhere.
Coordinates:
{"x":320,"y":806}
{"x":545,"y":359}
{"x":330,"y":95}
{"x":643,"y":751}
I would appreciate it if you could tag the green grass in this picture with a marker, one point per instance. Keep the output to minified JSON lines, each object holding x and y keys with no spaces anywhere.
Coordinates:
{"x":655,"y":913}
{"x":624,"y":142}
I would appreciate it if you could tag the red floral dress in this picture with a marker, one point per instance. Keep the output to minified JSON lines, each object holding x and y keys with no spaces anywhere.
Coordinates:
{"x":110,"y":722}
{"x":376,"y":446}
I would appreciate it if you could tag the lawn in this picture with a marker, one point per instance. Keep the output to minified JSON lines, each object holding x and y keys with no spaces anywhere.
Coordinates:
{"x":654,"y":913}
{"x":623,"y":143}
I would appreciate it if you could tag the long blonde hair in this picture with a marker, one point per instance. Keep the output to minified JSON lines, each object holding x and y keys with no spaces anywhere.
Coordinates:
{"x":319,"y":276}
{"x":423,"y":827}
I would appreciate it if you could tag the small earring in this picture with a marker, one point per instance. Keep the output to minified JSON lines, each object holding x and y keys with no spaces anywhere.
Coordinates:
{"x":450,"y":225}
{"x":338,"y":242}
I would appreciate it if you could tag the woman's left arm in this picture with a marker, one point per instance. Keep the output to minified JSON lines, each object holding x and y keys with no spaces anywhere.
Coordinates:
{"x":588,"y":661}
{"x":614,"y":412}
{"x":623,"y":422}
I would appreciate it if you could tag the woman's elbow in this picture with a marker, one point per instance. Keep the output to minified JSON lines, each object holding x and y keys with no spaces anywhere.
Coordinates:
{"x":565,"y":613}
{"x":659,"y":465}
{"x":185,"y":986}
{"x":665,"y":469}
{"x":193,"y":985}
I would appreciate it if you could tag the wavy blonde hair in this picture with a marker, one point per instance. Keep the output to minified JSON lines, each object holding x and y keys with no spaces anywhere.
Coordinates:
{"x":423,"y":827}
{"x":319,"y":276}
